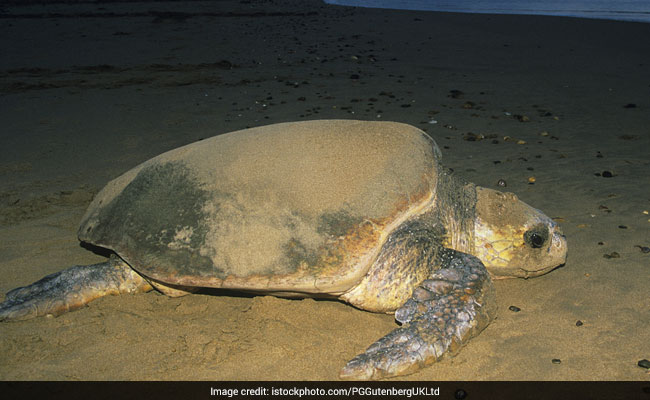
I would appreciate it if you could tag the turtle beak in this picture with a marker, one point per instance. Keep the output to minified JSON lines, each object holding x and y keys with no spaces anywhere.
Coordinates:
{"x":558,"y":248}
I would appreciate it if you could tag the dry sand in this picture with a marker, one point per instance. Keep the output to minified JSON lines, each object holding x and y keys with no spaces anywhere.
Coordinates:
{"x":95,"y":89}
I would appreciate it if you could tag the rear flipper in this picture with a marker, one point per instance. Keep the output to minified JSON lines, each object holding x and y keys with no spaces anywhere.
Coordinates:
{"x":444,"y":312}
{"x":70,"y":289}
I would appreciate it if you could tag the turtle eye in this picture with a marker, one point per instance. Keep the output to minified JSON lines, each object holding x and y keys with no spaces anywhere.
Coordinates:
{"x":537,"y":236}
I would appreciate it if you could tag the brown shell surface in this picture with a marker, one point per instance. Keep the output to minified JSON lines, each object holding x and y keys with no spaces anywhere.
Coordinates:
{"x":300,"y":207}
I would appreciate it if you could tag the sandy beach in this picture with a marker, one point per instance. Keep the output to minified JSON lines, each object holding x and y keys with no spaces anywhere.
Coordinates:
{"x":558,"y":108}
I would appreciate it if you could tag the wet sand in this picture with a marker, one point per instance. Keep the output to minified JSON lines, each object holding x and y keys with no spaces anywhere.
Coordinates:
{"x":88,"y":91}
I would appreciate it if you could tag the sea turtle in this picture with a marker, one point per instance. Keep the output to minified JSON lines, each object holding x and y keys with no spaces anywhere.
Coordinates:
{"x":354,"y":210}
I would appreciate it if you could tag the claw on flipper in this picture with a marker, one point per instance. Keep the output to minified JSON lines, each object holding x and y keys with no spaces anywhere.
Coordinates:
{"x":444,"y":312}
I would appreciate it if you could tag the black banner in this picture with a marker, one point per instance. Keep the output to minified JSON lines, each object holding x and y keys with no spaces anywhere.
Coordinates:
{"x":327,"y":390}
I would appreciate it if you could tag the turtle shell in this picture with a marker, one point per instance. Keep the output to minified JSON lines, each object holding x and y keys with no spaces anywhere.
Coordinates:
{"x":301,"y":207}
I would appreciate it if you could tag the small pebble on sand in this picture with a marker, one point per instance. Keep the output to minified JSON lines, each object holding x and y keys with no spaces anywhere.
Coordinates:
{"x":644,"y":249}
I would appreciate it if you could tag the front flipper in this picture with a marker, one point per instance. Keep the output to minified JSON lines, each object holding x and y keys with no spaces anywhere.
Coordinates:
{"x":444,"y":312}
{"x":70,"y":289}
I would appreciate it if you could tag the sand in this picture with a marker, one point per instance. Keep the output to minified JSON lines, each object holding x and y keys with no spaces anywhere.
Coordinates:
{"x":89,"y":91}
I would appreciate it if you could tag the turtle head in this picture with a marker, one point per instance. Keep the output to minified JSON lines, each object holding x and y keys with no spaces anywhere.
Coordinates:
{"x":514,"y":239}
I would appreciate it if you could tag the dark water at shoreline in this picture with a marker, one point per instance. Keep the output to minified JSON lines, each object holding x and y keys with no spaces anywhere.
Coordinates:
{"x":623,"y":10}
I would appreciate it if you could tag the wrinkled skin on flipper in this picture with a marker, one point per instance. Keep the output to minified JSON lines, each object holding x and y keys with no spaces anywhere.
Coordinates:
{"x":71,"y":289}
{"x":446,"y":310}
